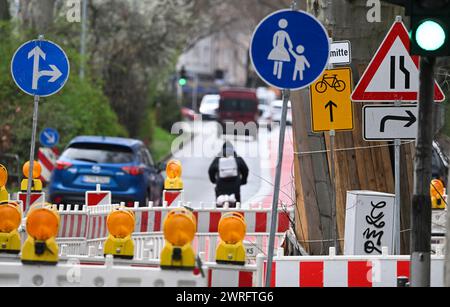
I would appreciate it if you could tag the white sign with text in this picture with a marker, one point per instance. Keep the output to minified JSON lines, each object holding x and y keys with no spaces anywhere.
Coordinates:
{"x":369,"y":223}
{"x":340,"y":52}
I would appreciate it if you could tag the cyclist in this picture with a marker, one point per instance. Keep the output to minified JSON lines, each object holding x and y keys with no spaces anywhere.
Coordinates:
{"x":228,"y":171}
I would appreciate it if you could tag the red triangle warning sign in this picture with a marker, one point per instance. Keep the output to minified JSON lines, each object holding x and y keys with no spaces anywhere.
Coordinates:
{"x":393,"y":74}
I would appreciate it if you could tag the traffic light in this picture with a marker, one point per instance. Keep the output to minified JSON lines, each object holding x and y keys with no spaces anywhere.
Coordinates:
{"x":42,"y":226}
{"x":183,"y":78}
{"x":430,"y":27}
{"x":179,"y":230}
{"x":232,"y":230}
{"x":120,"y":225}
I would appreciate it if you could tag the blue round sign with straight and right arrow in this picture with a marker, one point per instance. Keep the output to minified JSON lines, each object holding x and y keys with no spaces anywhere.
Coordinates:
{"x":290,"y":49}
{"x":40,"y":68}
{"x":49,"y":137}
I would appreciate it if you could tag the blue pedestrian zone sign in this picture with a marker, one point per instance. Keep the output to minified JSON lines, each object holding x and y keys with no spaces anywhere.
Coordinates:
{"x":290,"y":49}
{"x":49,"y":137}
{"x":40,"y":68}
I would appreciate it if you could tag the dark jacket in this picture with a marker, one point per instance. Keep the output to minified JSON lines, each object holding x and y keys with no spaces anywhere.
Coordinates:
{"x":228,"y":186}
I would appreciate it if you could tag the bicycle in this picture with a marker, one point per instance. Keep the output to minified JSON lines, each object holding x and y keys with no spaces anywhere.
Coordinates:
{"x":323,"y":85}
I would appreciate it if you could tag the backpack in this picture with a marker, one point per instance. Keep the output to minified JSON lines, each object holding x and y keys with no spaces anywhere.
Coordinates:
{"x":228,"y":167}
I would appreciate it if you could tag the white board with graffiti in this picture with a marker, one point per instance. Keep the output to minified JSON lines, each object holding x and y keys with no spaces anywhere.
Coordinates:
{"x":369,"y":222}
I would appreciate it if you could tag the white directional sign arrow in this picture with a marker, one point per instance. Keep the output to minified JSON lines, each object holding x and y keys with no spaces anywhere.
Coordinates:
{"x":389,"y":122}
{"x":54,"y":73}
{"x":51,"y":138}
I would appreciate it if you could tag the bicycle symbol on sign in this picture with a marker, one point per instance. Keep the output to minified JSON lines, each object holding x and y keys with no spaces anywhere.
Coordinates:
{"x":337,"y":84}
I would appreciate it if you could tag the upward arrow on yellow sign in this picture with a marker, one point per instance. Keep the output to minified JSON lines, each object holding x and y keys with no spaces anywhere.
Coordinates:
{"x":331,"y":106}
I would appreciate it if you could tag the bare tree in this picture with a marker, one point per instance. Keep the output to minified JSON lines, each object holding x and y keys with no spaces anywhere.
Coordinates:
{"x":4,"y":10}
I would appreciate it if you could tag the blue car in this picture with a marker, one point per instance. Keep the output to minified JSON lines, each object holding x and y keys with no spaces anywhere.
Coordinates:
{"x":123,"y":166}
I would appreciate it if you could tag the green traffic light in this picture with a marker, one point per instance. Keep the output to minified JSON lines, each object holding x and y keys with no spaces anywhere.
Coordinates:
{"x":430,"y":36}
{"x":182,"y":82}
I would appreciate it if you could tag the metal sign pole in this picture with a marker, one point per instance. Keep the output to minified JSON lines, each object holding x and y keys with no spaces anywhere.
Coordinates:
{"x":32,"y":148}
{"x":397,"y":144}
{"x":276,"y":192}
{"x":333,"y":193}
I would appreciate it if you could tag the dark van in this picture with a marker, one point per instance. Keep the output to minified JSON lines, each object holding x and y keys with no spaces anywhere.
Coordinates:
{"x":238,"y":105}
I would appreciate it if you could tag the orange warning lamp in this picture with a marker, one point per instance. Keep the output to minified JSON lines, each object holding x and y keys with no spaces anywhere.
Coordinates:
{"x":232,"y":231}
{"x":179,"y":230}
{"x":42,"y":226}
{"x":10,"y":220}
{"x":36,"y":173}
{"x":120,"y":223}
{"x":4,"y":196}
{"x":37,"y":169}
{"x":173,"y":172}
{"x":3,"y":175}
{"x":437,"y":192}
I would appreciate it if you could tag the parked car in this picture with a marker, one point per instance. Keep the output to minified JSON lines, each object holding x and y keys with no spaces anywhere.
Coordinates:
{"x":238,"y":105}
{"x":123,"y":166}
{"x":276,"y":108}
{"x":209,"y":106}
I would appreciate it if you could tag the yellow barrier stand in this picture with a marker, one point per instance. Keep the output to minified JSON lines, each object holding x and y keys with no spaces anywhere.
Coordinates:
{"x":232,"y":230}
{"x":42,"y":226}
{"x":179,"y":230}
{"x":37,"y":183}
{"x":120,"y":225}
{"x":437,"y":191}
{"x":4,"y":196}
{"x":10,"y":219}
{"x":173,"y":171}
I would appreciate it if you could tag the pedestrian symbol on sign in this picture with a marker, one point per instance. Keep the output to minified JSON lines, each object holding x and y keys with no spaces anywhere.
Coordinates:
{"x":290,"y":49}
{"x":280,"y":54}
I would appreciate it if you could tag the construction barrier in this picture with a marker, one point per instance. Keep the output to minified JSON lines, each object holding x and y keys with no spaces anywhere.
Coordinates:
{"x":344,"y":271}
{"x":73,"y":273}
{"x":47,"y":157}
{"x":35,"y":198}
{"x":73,"y":222}
{"x":220,"y":276}
{"x":98,"y":197}
{"x":172,"y":197}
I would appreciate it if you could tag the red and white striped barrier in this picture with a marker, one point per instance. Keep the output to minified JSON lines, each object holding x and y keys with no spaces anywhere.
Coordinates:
{"x":47,"y":157}
{"x":172,"y":197}
{"x":98,"y":197}
{"x":220,"y":276}
{"x":73,"y":223}
{"x":257,"y":220}
{"x":36,"y":198}
{"x":345,"y":271}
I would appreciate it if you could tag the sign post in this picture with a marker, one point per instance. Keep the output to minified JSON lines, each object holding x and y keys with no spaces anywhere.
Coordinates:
{"x":393,"y":76}
{"x":289,"y":51}
{"x":40,"y":68}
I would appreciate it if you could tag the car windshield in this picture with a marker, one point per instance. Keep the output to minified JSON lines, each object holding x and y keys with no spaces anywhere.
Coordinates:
{"x":99,"y":153}
{"x":238,"y":105}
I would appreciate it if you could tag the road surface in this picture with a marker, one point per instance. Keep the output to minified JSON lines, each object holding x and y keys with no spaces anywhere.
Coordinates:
{"x":259,"y":155}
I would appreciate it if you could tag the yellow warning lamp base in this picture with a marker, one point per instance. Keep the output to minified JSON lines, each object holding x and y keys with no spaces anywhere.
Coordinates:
{"x":36,"y":186}
{"x":175,"y":184}
{"x":230,"y":253}
{"x":10,"y":242}
{"x":4,"y":196}
{"x":40,"y":252}
{"x":119,"y":248}
{"x":177,"y":258}
{"x":437,"y":203}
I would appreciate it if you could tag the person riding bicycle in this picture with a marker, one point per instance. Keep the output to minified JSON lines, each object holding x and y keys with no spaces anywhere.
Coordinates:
{"x":228,"y":171}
